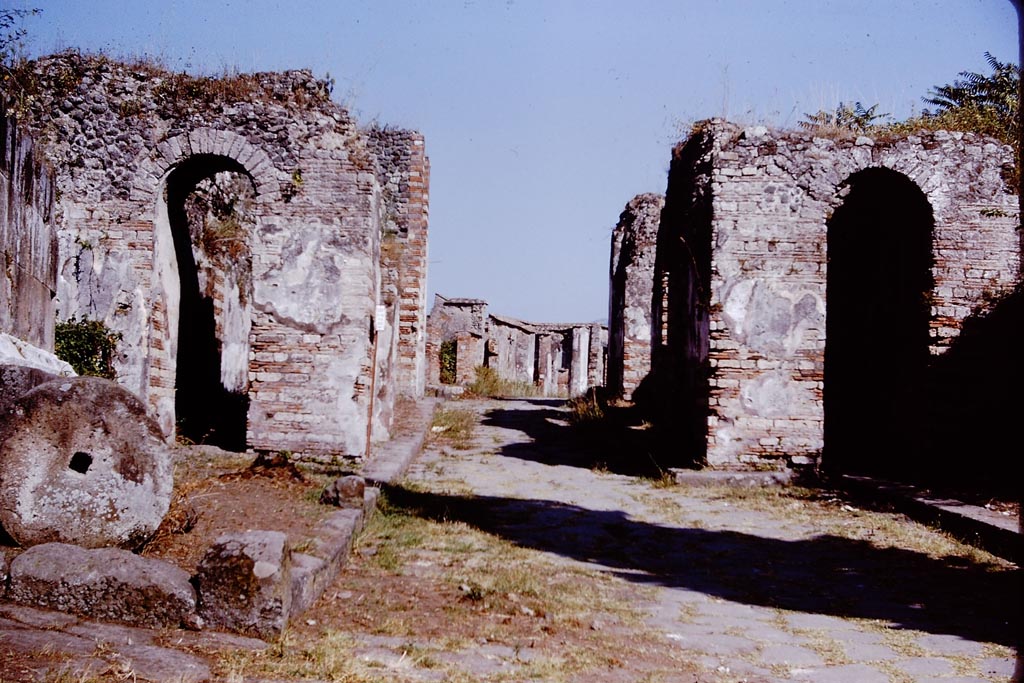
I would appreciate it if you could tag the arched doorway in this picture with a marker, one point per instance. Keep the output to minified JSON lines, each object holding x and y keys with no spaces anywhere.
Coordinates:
{"x":877,"y":323}
{"x":210,"y":209}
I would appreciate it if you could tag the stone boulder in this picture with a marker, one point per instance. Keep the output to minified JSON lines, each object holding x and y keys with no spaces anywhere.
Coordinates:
{"x":345,"y":492}
{"x":18,"y":380}
{"x":81,"y":462}
{"x":14,"y":351}
{"x":244,"y":583}
{"x":106,"y":583}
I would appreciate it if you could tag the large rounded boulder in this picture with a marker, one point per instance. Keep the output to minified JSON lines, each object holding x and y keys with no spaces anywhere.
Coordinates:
{"x":82,"y":462}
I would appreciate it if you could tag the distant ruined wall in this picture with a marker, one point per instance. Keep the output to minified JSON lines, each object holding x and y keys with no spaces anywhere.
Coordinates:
{"x":463,"y":321}
{"x":552,"y":372}
{"x":294,"y":298}
{"x":27,"y":238}
{"x":560,"y":359}
{"x":630,"y":322}
{"x":597,"y":357}
{"x":741,"y":279}
{"x":511,"y":348}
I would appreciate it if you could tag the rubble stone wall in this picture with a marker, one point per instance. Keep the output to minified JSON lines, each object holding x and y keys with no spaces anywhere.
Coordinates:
{"x":404,"y":175}
{"x":511,"y":348}
{"x":634,"y":245}
{"x":559,"y":359}
{"x":120,"y":135}
{"x":742,"y":264}
{"x":465,"y":322}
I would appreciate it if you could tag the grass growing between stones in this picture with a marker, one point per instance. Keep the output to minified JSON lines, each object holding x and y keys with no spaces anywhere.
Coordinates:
{"x":455,"y":427}
{"x":423,"y":593}
{"x":489,"y":383}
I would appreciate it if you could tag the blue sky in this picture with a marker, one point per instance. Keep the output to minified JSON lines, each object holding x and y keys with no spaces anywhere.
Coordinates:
{"x":543,"y":118}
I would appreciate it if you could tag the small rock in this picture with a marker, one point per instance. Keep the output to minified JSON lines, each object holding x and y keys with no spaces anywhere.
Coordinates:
{"x":345,"y":492}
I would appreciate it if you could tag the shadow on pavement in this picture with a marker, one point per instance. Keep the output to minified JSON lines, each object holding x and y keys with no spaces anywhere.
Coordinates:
{"x":827,"y":574}
{"x":824,"y":575}
{"x":614,"y":446}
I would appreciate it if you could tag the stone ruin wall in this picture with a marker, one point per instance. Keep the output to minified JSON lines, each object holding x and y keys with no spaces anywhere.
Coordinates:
{"x":634,"y":242}
{"x":560,"y":359}
{"x":117,"y":135}
{"x":511,"y":348}
{"x":404,"y":175}
{"x":463,"y":321}
{"x":28,"y":239}
{"x":749,"y":208}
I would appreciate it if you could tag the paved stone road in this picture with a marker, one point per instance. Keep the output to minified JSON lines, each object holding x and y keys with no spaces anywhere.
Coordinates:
{"x":749,"y":596}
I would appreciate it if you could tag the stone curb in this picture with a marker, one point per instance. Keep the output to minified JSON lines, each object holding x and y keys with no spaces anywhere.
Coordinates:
{"x":392,"y":459}
{"x":972,"y":524}
{"x":334,"y":537}
{"x":313,"y":569}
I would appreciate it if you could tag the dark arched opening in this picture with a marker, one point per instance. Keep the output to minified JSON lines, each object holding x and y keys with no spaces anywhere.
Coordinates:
{"x":209,"y":207}
{"x":877,"y":324}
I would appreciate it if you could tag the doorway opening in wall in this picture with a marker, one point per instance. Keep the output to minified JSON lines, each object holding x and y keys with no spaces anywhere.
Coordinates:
{"x":449,"y":361}
{"x":210,"y":208}
{"x":877,"y":324}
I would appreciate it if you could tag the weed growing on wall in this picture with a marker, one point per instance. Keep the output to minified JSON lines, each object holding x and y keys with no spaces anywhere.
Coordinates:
{"x":449,"y":351}
{"x":88,"y":345}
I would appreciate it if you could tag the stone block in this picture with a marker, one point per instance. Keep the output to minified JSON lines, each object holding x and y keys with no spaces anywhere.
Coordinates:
{"x":244,"y":583}
{"x":105,"y":583}
{"x":333,"y":537}
{"x":345,"y":492}
{"x":82,"y":462}
{"x":14,"y":351}
{"x":18,"y":380}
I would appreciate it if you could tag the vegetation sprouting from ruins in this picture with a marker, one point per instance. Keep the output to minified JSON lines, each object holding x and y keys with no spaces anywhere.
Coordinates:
{"x":87,"y":345}
{"x":855,"y":118}
{"x":489,"y":383}
{"x":449,"y":349}
{"x":987,"y":104}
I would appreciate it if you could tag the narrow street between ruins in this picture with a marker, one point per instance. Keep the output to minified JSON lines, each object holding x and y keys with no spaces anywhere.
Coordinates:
{"x":521,"y":548}
{"x":716,"y":584}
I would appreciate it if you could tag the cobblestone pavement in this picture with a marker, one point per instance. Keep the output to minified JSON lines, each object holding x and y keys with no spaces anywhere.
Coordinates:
{"x":746,"y":594}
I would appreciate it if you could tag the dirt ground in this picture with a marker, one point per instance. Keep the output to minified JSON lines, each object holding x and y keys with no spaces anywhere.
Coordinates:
{"x":452,"y":583}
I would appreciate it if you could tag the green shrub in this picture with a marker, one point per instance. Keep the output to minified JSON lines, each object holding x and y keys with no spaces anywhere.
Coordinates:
{"x":586,"y":408}
{"x":449,"y":358}
{"x":489,"y":383}
{"x":88,"y":345}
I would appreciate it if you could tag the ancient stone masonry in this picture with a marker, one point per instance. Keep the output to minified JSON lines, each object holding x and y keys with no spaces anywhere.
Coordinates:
{"x":404,"y":174}
{"x":461,"y":324}
{"x":634,"y":242}
{"x":27,"y":238}
{"x":239,"y":233}
{"x":898,"y":240}
{"x":560,"y":359}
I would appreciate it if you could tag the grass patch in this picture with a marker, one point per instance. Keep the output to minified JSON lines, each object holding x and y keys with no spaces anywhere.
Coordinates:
{"x":489,"y":383}
{"x":330,"y":656}
{"x":454,"y":426}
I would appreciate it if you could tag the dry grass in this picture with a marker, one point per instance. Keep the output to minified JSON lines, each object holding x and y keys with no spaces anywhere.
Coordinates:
{"x":433,"y":592}
{"x":490,"y":383}
{"x":454,"y":426}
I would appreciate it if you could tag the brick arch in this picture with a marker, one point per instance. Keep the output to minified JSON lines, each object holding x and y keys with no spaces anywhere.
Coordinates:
{"x":155,"y":165}
{"x":880,"y":280}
